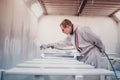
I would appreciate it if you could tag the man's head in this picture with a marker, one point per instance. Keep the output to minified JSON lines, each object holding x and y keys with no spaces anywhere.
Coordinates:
{"x":66,"y":26}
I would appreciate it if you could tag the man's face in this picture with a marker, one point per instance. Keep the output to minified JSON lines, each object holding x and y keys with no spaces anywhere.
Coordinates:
{"x":66,"y":30}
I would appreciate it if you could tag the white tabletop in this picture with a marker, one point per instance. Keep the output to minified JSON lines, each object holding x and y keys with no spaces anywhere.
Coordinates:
{"x":48,"y":71}
{"x":53,"y":62}
{"x":83,"y":66}
{"x":2,"y":70}
{"x":64,"y":58}
{"x":52,"y":51}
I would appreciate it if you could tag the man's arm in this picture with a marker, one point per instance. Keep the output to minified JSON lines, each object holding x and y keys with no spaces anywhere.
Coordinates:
{"x":58,"y":45}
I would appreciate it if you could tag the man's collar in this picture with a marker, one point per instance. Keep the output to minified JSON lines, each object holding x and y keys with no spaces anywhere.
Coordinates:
{"x":74,"y":27}
{"x":71,"y":33}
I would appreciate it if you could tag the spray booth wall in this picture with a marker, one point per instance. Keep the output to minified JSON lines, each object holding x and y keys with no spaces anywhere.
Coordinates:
{"x":119,"y":38}
{"x":17,"y":32}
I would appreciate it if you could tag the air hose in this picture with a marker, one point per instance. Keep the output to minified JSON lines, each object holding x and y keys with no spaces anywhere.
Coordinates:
{"x":111,"y":65}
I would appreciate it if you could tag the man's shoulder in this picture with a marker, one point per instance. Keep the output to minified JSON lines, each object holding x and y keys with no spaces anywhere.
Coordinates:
{"x":84,"y":27}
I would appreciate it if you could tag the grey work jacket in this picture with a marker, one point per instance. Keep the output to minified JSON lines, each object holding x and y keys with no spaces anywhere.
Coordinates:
{"x":90,"y":44}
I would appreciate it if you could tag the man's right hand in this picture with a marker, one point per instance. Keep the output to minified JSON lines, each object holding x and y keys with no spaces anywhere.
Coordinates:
{"x":44,"y":46}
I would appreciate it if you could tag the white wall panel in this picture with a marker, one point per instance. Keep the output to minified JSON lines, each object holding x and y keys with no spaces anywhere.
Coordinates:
{"x":17,"y":32}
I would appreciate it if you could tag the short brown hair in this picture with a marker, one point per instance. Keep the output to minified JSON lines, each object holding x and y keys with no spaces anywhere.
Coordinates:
{"x":66,"y":22}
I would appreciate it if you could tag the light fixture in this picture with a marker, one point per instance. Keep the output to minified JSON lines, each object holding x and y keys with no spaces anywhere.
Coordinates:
{"x":117,"y":15}
{"x":37,"y":9}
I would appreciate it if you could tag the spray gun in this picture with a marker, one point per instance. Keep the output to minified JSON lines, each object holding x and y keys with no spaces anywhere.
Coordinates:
{"x":46,"y":46}
{"x":43,"y":47}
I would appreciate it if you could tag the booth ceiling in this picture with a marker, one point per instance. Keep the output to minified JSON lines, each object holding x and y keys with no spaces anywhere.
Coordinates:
{"x":80,"y":7}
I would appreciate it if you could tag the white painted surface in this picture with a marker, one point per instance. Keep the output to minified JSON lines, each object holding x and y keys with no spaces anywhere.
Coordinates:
{"x":78,"y":77}
{"x":59,"y":66}
{"x":62,"y":58}
{"x":46,"y":71}
{"x":53,"y":62}
{"x":68,"y":60}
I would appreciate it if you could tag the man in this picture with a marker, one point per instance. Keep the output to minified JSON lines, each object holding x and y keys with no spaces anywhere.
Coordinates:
{"x":84,"y":40}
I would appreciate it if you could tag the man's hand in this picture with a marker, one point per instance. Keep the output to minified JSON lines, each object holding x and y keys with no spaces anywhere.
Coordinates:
{"x":44,"y":46}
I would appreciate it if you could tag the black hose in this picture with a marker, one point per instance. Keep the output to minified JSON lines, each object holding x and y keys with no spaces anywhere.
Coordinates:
{"x":111,"y":66}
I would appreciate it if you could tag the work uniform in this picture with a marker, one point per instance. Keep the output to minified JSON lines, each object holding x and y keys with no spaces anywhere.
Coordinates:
{"x":87,"y":44}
